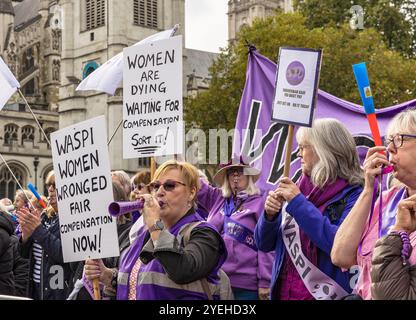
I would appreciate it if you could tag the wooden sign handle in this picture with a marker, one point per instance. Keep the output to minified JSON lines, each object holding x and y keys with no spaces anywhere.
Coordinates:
{"x":96,"y":286}
{"x":289,"y":145}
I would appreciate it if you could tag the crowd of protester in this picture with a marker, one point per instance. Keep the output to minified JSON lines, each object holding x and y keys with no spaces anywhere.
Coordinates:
{"x":228,"y":239}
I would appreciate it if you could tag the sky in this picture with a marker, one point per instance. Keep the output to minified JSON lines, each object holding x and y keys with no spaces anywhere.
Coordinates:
{"x":206,"y":24}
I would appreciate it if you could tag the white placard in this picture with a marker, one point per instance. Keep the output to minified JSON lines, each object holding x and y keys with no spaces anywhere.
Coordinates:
{"x":84,"y":191}
{"x":297,"y":82}
{"x":152,"y":99}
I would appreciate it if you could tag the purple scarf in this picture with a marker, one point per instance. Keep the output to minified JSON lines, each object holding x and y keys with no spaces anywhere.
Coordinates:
{"x":319,"y":198}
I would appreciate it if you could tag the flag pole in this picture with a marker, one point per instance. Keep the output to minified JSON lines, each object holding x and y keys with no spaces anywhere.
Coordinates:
{"x":118,"y":127}
{"x":34,"y":116}
{"x":17,"y":181}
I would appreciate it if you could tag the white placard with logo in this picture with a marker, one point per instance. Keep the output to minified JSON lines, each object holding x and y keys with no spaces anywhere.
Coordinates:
{"x":152,"y":99}
{"x":84,"y":190}
{"x":297,"y":81}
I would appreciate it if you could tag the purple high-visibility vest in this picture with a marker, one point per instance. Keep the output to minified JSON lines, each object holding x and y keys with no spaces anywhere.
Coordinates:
{"x":153,"y":283}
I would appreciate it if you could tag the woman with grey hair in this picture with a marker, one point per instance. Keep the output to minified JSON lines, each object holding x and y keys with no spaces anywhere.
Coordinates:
{"x":300,"y":220}
{"x":234,"y":210}
{"x":384,"y":262}
{"x":123,"y":179}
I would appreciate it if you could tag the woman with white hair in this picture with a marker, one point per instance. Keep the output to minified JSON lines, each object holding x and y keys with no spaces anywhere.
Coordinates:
{"x":300,"y":220}
{"x":384,"y":262}
{"x":234,"y":210}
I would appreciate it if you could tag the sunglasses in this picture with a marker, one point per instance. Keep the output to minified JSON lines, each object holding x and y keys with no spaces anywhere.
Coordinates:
{"x":48,"y":185}
{"x":238,"y":171}
{"x":168,"y":185}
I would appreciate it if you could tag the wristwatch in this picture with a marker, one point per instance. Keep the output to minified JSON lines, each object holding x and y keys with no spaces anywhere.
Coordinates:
{"x":157,"y":226}
{"x":114,"y":275}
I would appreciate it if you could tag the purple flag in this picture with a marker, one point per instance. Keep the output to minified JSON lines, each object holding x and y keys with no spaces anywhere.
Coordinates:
{"x":262,"y":142}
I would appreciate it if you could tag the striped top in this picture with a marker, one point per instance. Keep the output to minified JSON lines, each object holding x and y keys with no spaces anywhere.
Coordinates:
{"x":37,"y":255}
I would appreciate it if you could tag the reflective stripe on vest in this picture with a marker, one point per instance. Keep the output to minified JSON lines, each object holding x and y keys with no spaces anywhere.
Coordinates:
{"x":162,"y":279}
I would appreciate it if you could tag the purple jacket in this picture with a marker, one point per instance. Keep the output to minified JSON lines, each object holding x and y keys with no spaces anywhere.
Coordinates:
{"x":246,"y":267}
{"x":153,"y":282}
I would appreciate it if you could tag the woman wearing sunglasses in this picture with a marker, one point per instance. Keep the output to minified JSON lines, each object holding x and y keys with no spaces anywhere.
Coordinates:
{"x":161,"y":264}
{"x":234,"y":210}
{"x":384,"y":262}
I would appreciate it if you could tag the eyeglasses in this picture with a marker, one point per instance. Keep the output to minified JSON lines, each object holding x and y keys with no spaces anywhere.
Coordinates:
{"x":48,"y":185}
{"x":168,"y":185}
{"x":232,"y":171}
{"x":139,"y":186}
{"x":397,"y":140}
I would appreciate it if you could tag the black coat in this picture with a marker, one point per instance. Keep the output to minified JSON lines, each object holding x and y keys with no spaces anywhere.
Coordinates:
{"x":53,"y":287}
{"x":6,"y":255}
{"x":20,"y":269}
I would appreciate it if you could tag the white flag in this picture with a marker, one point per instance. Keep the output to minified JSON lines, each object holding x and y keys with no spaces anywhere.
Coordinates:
{"x":108,"y":76}
{"x":8,"y":83}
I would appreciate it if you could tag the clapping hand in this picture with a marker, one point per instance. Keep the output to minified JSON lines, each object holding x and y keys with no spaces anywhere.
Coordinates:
{"x":29,"y":221}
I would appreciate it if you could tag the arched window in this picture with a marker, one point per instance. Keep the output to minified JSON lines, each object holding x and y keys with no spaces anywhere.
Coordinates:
{"x":28,"y":134}
{"x":8,"y":185}
{"x":28,"y":60}
{"x":10,"y":133}
{"x":94,"y":14}
{"x":89,"y":68}
{"x":145,"y":13}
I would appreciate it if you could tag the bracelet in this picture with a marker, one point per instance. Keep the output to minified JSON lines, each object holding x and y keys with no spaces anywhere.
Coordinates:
{"x":406,"y":244}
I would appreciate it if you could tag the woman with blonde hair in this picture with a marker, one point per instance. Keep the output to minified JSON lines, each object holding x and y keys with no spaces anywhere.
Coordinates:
{"x":168,"y":261}
{"x":234,"y":209}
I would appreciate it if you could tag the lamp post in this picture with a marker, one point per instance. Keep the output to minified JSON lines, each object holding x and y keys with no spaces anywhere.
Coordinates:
{"x":35,"y":164}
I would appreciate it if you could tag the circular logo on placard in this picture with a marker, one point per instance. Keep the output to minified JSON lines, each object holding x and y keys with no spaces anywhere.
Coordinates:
{"x":295,"y":73}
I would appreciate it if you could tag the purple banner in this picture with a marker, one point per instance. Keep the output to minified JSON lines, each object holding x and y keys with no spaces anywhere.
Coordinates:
{"x":262,"y":141}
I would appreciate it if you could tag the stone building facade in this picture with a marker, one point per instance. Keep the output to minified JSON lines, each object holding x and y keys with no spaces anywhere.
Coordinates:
{"x":50,"y":46}
{"x":243,"y":12}
{"x":31,"y":48}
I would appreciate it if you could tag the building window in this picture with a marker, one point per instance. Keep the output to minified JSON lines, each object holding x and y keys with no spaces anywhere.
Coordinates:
{"x":29,"y":88}
{"x":89,"y":68}
{"x":28,"y":134}
{"x":144,"y":162}
{"x":8,"y":185}
{"x":48,"y":132}
{"x":28,"y":61}
{"x":94,"y":14}
{"x":145,"y":13}
{"x":10,"y":134}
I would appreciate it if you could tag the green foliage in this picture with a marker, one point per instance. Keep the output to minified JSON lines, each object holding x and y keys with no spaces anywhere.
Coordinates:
{"x":392,"y":76}
{"x":395,"y":20}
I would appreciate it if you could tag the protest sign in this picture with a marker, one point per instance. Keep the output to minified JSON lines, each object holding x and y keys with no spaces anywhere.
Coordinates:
{"x":296,"y":86}
{"x":152,"y":99}
{"x":84,"y":191}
